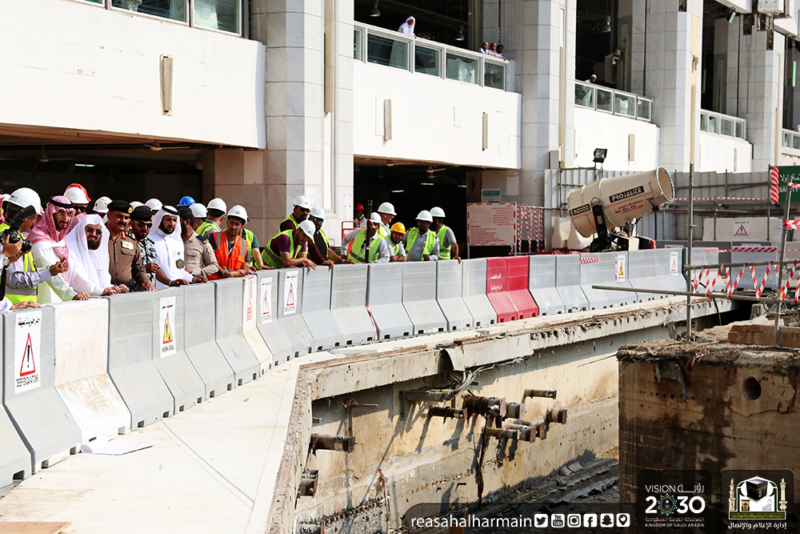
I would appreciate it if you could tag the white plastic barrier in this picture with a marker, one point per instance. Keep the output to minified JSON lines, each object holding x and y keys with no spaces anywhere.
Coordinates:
{"x":290,"y":308}
{"x":228,"y":295}
{"x":474,"y":292}
{"x":277,"y":341}
{"x":81,"y":353}
{"x":669,"y":268}
{"x":385,"y":301}
{"x":643,"y":265}
{"x":606,"y":269}
{"x":29,"y":394}
{"x":130,"y":358}
{"x":169,"y":354}
{"x":199,"y":322}
{"x":542,"y":285}
{"x":449,"y":288}
{"x":317,"y":308}
{"x":348,"y":304}
{"x":250,"y":324}
{"x":419,"y":297}
{"x":568,"y":283}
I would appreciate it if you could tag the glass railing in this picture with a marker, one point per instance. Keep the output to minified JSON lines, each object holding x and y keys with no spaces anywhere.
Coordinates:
{"x":725,"y":125}
{"x":392,"y":49}
{"x":219,"y":15}
{"x":607,"y":100}
{"x":791,"y":139}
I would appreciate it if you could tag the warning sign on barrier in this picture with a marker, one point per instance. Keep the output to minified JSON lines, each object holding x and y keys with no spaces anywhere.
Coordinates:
{"x":266,"y":300}
{"x":674,"y":262}
{"x":619,"y":268}
{"x":167,"y":322}
{"x":290,"y":293}
{"x":26,"y":351}
{"x":249,"y":302}
{"x":491,"y":224}
{"x":742,"y":227}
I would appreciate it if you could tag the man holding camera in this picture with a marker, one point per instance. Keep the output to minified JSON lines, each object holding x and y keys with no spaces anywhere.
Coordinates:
{"x":21,"y":276}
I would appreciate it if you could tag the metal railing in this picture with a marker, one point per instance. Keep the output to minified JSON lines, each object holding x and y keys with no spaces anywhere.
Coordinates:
{"x":392,"y":49}
{"x":724,"y":125}
{"x":612,"y":101}
{"x":791,"y":139}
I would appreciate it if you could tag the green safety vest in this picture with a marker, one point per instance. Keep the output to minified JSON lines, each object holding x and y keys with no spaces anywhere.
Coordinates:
{"x":393,"y":247}
{"x":23,"y":294}
{"x":276,"y":262}
{"x":444,"y":253}
{"x":292,"y":220}
{"x":249,"y":236}
{"x":430,"y":241}
{"x":357,"y":251}
{"x":383,"y":232}
{"x":208,"y":227}
{"x":325,"y":238}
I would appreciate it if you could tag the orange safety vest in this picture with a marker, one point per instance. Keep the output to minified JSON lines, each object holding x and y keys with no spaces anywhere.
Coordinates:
{"x":230,"y":261}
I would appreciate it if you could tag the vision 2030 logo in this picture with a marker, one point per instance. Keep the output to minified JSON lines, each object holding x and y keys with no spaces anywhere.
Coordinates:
{"x":673,"y":499}
{"x":757,"y":499}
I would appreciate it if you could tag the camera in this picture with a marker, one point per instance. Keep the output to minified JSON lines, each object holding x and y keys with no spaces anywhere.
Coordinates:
{"x":13,"y":229}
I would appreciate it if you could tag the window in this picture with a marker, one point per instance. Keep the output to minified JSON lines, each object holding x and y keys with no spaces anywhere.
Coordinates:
{"x":494,"y":75}
{"x":712,"y":124}
{"x":703,"y":122}
{"x":387,"y":52}
{"x":605,"y":100}
{"x":726,"y":127}
{"x":463,"y":69}
{"x":796,"y":141}
{"x":167,"y":9}
{"x":584,"y":96}
{"x":357,"y":44}
{"x":740,"y":130}
{"x":223,"y":15}
{"x":426,"y":60}
{"x":787,"y":140}
{"x":644,"y":109}
{"x":625,"y":105}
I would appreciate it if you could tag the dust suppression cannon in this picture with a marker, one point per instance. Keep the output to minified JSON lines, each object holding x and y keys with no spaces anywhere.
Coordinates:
{"x":610,"y":207}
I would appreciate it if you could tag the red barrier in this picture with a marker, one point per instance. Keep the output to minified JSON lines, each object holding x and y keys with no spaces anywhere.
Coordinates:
{"x":517,"y":271}
{"x":497,"y":290}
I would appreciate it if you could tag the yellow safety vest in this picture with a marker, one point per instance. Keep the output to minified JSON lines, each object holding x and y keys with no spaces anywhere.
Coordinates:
{"x":208,"y":227}
{"x":292,"y":220}
{"x":24,"y":294}
{"x":276,"y":262}
{"x":430,"y":241}
{"x":357,"y":251}
{"x":444,"y":253}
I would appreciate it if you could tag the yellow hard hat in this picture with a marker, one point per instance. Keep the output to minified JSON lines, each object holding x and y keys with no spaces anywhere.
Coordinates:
{"x":399,"y":228}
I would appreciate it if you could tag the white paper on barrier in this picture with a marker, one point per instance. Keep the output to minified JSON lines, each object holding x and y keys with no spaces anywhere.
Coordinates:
{"x":166,"y":322}
{"x":674,"y":262}
{"x":290,"y":293}
{"x":266,"y":300}
{"x":619,"y":268}
{"x":249,"y":317}
{"x":26,"y":351}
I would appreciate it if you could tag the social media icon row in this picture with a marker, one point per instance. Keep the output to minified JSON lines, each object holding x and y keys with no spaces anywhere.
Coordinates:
{"x":585,"y":520}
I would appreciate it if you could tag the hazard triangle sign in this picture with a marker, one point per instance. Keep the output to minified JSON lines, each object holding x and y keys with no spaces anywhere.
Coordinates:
{"x":28,"y":366}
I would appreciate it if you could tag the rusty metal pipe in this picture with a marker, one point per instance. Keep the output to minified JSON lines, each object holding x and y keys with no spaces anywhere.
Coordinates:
{"x":501,"y":433}
{"x":545,"y":393}
{"x":446,"y":412}
{"x":333,"y":443}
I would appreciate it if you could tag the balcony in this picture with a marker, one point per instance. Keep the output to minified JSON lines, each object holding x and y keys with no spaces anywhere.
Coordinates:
{"x":618,"y":121}
{"x":790,"y":148}
{"x":417,"y":100}
{"x":723,"y":146}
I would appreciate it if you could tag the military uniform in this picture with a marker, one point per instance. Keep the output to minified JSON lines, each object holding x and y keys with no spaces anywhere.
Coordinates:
{"x":125,"y":261}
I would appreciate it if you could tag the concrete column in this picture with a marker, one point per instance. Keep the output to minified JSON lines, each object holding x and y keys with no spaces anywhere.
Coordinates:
{"x":755,"y":88}
{"x":663,"y":67}
{"x":540,"y":37}
{"x":292,"y":31}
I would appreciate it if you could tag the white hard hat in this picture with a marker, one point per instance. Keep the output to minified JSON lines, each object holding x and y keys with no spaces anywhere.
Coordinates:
{"x":388,"y":208}
{"x":437,"y":212}
{"x":425,"y":215}
{"x":376,"y":218}
{"x":238,"y":211}
{"x":302,"y":202}
{"x":76,"y":195}
{"x":101,"y":205}
{"x":318,"y":212}
{"x":24,"y":197}
{"x":199,"y":211}
{"x":154,"y":204}
{"x":217,"y":204}
{"x":135,"y":204}
{"x":308,"y":228}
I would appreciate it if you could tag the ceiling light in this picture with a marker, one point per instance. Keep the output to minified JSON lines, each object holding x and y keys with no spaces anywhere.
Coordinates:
{"x":375,"y":12}
{"x":460,"y":36}
{"x":390,"y":163}
{"x":398,"y":191}
{"x":426,"y":183}
{"x":606,"y":28}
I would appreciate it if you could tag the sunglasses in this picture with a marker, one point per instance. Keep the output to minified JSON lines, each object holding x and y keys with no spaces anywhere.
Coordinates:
{"x":316,"y":220}
{"x":304,"y":210}
{"x":94,"y":231}
{"x":145,"y":224}
{"x":80,"y":209}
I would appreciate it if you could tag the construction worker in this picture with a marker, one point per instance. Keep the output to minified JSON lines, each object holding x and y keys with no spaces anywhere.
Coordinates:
{"x":255,"y":254}
{"x":378,"y":248}
{"x":422,"y":244}
{"x":185,"y":202}
{"x":358,"y":213}
{"x":214,"y":216}
{"x":299,"y":214}
{"x":76,"y":194}
{"x":21,"y":275}
{"x":395,"y":242}
{"x":199,"y":212}
{"x":290,"y":248}
{"x":319,"y":251}
{"x":387,"y":213}
{"x":232,"y":252}
{"x":101,"y":205}
{"x":447,"y":239}
{"x":154,"y":204}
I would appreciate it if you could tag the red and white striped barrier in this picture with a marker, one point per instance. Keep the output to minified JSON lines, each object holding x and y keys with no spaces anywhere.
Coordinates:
{"x":792,"y":225}
{"x":722,"y":198}
{"x":589,"y":260}
{"x":754,"y":249}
